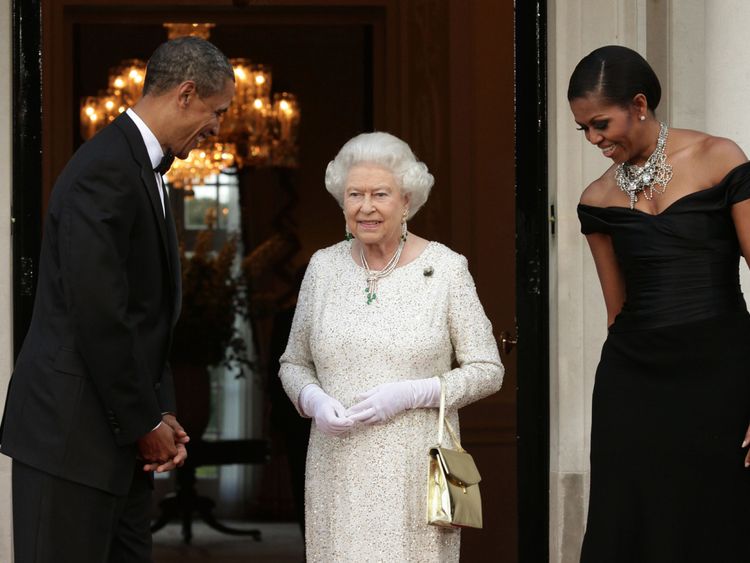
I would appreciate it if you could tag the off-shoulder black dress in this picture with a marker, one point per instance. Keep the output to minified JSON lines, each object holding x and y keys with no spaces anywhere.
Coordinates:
{"x":672,"y":395}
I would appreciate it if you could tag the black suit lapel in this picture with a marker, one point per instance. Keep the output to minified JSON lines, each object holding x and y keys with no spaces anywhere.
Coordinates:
{"x":148,"y":177}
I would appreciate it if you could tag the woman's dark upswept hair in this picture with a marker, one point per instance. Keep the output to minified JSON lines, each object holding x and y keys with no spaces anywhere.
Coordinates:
{"x":187,"y":58}
{"x":615,"y":74}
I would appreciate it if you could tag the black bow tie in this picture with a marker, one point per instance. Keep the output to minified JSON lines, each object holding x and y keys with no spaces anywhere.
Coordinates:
{"x":166,"y":161}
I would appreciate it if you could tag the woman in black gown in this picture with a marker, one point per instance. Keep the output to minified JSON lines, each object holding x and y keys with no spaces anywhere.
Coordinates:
{"x":666,"y":224}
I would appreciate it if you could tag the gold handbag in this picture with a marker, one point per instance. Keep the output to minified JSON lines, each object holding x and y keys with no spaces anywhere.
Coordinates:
{"x":453,"y":498}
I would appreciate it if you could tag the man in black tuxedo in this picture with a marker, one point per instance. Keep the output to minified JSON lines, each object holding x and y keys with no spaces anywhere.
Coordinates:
{"x":90,"y":407}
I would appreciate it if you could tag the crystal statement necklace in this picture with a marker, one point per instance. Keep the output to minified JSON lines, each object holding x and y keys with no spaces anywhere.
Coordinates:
{"x":650,"y":179}
{"x":373,"y":276}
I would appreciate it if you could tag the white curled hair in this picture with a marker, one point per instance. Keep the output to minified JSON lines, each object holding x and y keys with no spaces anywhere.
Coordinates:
{"x":388,"y":151}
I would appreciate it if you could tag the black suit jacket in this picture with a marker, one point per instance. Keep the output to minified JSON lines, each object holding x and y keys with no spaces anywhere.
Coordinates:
{"x":92,"y":375}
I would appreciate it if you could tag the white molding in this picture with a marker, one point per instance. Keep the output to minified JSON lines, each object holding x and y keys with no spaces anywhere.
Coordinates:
{"x":6,"y":280}
{"x":686,"y":64}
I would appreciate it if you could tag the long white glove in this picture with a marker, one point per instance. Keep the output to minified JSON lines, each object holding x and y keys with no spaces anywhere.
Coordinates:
{"x":329,"y":414}
{"x":385,"y":401}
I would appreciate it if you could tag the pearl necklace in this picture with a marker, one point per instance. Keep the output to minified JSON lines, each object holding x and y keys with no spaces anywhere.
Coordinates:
{"x":374,"y":276}
{"x":650,"y":179}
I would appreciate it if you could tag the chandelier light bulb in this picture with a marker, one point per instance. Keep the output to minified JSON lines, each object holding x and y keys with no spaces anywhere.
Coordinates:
{"x":260,"y":129}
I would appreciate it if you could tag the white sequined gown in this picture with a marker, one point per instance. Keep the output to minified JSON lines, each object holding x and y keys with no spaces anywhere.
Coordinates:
{"x":365,"y":497}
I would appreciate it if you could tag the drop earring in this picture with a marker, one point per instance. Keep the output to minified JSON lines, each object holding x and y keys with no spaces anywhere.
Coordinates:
{"x":404,"y":232}
{"x":347,"y":233}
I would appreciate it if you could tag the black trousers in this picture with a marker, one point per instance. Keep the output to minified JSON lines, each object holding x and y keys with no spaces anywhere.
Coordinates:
{"x":59,"y":521}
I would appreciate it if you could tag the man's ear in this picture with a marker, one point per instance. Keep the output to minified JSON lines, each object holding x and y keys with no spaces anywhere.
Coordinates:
{"x":185,"y":93}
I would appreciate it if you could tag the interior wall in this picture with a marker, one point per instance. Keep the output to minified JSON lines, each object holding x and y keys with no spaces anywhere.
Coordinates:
{"x":6,"y":280}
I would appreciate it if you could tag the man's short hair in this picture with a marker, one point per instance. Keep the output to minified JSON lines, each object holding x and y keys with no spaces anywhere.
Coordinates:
{"x":187,"y":58}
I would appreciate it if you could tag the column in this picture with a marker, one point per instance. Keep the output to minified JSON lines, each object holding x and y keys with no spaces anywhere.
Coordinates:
{"x":727,"y":79}
{"x":698,"y":49}
{"x":577,"y":314}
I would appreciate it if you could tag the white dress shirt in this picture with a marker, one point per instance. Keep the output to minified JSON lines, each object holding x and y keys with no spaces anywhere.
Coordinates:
{"x":155,"y":152}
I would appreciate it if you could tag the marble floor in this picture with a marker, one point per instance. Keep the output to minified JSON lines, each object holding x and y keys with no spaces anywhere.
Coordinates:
{"x":281,"y":543}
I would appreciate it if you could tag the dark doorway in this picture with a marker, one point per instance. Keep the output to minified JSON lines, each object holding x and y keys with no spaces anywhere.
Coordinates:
{"x":441,"y":76}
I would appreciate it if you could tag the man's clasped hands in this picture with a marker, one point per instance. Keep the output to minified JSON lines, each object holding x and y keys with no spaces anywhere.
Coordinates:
{"x":163,"y":449}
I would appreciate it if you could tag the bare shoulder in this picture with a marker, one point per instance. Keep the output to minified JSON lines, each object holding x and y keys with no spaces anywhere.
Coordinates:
{"x":599,"y":192}
{"x":707,"y":156}
{"x":720,"y":156}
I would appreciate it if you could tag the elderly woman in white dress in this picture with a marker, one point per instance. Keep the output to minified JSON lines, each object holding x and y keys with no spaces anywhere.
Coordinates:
{"x":382,"y":318}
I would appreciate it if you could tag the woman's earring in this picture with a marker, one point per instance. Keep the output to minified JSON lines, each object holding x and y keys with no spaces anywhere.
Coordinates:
{"x":347,"y":233}
{"x":642,"y":118}
{"x":403,"y":225}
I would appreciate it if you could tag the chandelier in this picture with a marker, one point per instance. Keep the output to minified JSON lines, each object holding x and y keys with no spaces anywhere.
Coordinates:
{"x":258,"y":129}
